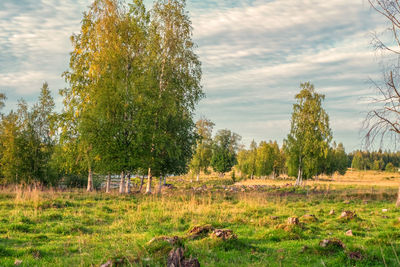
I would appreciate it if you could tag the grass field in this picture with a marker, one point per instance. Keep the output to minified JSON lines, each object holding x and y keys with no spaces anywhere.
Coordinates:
{"x":51,"y":228}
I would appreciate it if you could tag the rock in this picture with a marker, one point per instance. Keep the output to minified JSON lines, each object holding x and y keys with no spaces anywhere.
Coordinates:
{"x":332,"y":243}
{"x":293,"y":221}
{"x":199,"y":231}
{"x":332,"y":212}
{"x":348,"y":215}
{"x":107,"y":264}
{"x":355,"y":255}
{"x":384,"y":210}
{"x":349,"y":233}
{"x":224,"y":234}
{"x":176,"y":258}
{"x":309,"y":218}
{"x":17,"y":262}
{"x":170,"y":239}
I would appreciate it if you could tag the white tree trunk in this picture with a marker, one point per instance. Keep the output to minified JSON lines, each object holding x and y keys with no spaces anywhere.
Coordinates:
{"x":197,"y":177}
{"x":165,"y":180}
{"x":90,"y":181}
{"x":149,"y":179}
{"x":300,"y":174}
{"x":122,"y":183}
{"x":398,"y":198}
{"x":299,"y":177}
{"x":108,"y":183}
{"x":128,"y":183}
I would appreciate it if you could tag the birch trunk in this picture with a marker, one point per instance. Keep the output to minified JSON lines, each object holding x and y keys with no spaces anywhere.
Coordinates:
{"x":122,"y":183}
{"x":165,"y":180}
{"x":149,"y":179}
{"x":108,"y":183}
{"x":300,"y":173}
{"x":128,"y":183}
{"x":398,"y":198}
{"x":299,"y":177}
{"x":197,"y":177}
{"x":90,"y":181}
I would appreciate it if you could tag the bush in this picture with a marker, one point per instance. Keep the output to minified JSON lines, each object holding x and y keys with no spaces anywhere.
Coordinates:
{"x":390,"y":167}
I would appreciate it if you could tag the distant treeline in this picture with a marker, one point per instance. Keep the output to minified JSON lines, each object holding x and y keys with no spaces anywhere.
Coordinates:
{"x":267,"y":159}
{"x":377,"y":160}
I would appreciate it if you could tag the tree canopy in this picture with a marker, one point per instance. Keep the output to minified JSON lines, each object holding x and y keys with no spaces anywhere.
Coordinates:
{"x":225,"y":147}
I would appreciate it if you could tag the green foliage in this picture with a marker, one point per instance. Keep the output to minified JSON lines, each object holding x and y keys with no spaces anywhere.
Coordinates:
{"x":26,"y":143}
{"x":265,"y":159}
{"x":247,"y":160}
{"x":104,"y":77}
{"x":375,"y":160}
{"x":174,"y":89}
{"x":134,"y":82}
{"x":225,"y":146}
{"x":341,"y":160}
{"x":243,"y":163}
{"x":203,"y":152}
{"x":336,"y":161}
{"x":308,"y":141}
{"x":390,"y":167}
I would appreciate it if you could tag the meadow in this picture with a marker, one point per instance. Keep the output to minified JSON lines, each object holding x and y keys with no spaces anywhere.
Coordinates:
{"x":74,"y":228}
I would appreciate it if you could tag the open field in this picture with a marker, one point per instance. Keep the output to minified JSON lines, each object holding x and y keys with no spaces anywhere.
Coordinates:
{"x":351,"y":178}
{"x":52,"y":228}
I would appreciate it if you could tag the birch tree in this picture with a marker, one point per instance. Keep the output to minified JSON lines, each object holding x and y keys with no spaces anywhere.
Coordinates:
{"x":173,"y":79}
{"x":307,"y":143}
{"x":105,"y":78}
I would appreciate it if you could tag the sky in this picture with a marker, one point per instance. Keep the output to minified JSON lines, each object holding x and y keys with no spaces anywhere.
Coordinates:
{"x":254,"y":54}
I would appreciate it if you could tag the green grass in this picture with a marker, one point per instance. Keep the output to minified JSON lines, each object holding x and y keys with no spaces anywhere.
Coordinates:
{"x":80,"y":229}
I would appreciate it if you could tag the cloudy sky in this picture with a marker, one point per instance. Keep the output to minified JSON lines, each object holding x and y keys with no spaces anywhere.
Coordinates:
{"x":255,"y":54}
